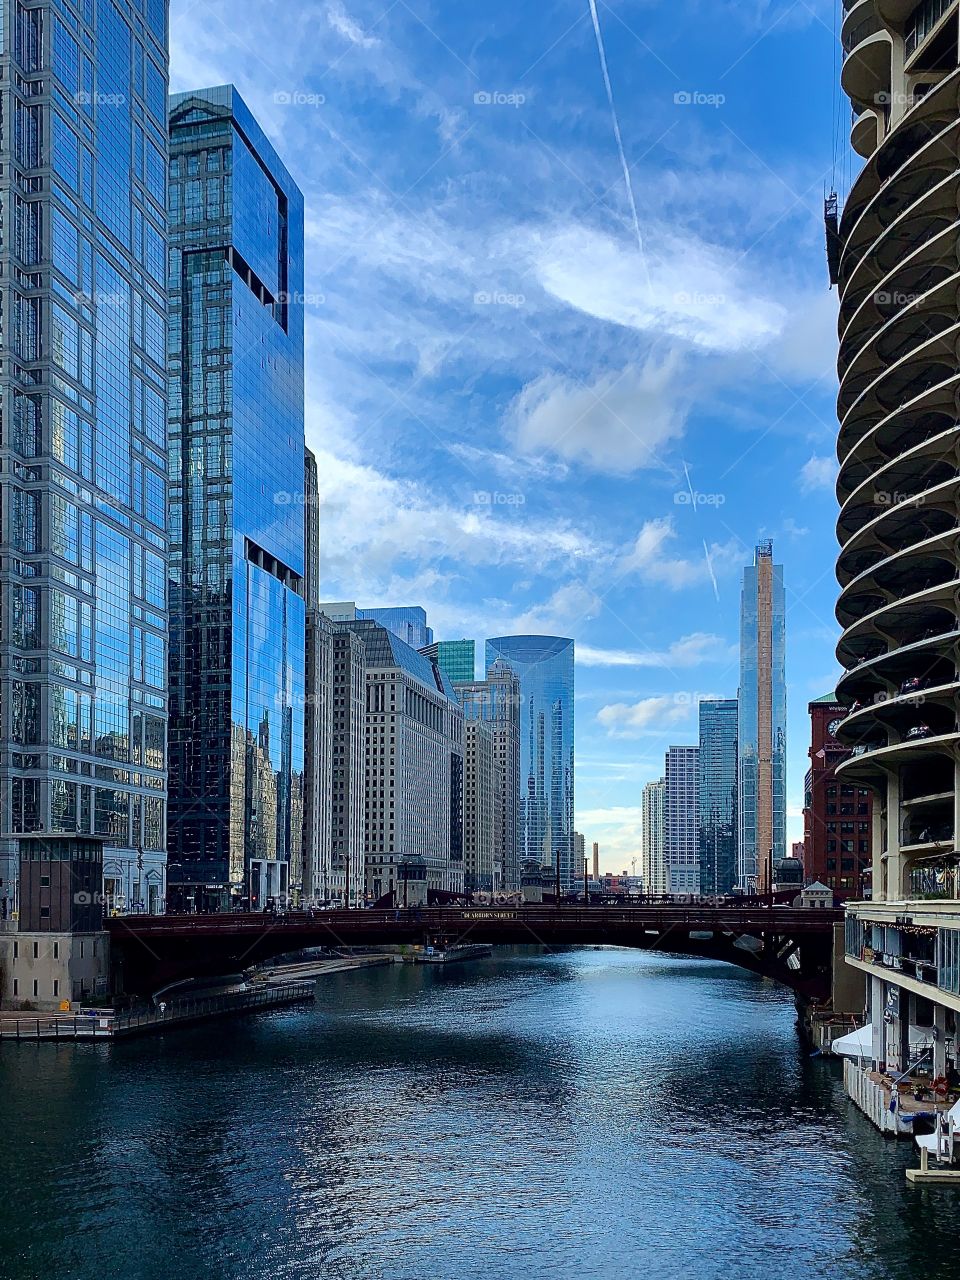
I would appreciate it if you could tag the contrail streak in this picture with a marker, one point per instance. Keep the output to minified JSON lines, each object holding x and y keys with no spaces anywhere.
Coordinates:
{"x":616,"y":130}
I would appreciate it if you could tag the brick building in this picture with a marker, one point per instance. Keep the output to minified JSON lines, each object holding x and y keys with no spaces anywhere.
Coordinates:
{"x":837,"y":816}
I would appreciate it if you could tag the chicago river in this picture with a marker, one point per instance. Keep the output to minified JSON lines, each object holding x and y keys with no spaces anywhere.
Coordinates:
{"x":594,"y":1113}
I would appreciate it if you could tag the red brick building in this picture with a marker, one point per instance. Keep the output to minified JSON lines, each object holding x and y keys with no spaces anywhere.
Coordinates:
{"x":837,"y":817}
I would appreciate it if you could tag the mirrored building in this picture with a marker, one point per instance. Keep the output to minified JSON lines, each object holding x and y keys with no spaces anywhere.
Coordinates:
{"x":455,"y":658}
{"x":544,"y":666}
{"x":718,"y":827}
{"x":83,"y":487}
{"x":237,"y":560}
{"x":762,"y":721}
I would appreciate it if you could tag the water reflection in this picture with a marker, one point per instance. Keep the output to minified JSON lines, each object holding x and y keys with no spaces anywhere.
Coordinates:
{"x":588,"y":1114}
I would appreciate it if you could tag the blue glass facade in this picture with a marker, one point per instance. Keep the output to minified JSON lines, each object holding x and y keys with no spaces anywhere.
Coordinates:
{"x":409,"y":622}
{"x":544,"y":666}
{"x":718,"y":827}
{"x":83,"y":549}
{"x":762,"y":729}
{"x":237,"y":561}
{"x":455,"y":658}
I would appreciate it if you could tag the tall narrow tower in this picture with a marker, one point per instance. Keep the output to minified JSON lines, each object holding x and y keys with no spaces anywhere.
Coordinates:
{"x":83,"y":439}
{"x":237,"y":563}
{"x":762,"y":718}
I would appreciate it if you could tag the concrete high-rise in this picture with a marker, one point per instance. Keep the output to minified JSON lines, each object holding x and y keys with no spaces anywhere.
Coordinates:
{"x":310,"y":871}
{"x":544,"y":666}
{"x":894,"y":257}
{"x":762,"y":722}
{"x":681,"y":852}
{"x":237,"y":563}
{"x":718,"y":827}
{"x":348,"y":785}
{"x":480,"y":869}
{"x":414,"y":768}
{"x":496,"y":701}
{"x":655,"y":879}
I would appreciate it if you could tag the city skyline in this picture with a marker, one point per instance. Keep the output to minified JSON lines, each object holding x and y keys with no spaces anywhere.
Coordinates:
{"x":475,"y":504}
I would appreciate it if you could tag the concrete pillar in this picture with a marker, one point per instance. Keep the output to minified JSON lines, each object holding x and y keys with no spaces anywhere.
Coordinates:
{"x":940,"y":1045}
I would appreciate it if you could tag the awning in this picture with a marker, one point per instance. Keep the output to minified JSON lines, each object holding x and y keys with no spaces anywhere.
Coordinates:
{"x":855,"y":1044}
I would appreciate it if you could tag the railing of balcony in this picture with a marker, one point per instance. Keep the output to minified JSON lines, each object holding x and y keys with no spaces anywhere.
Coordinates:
{"x":922,"y":23}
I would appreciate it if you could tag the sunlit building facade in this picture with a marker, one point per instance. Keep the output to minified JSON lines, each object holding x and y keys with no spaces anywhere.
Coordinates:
{"x":83,"y":487}
{"x":237,"y":564}
{"x":762,"y":722}
{"x":496,"y":701}
{"x":655,"y":879}
{"x":413,"y":829}
{"x":681,"y":845}
{"x":544,"y":666}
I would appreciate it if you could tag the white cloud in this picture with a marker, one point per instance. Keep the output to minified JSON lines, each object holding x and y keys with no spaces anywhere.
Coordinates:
{"x":632,"y":720}
{"x":618,"y":423}
{"x":565,"y":611}
{"x":650,"y":559}
{"x":346,"y":26}
{"x":690,"y":651}
{"x":818,"y":473}
{"x":373,"y":526}
{"x":698,"y":293}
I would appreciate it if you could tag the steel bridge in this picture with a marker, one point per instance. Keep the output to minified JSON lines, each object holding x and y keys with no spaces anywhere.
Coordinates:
{"x":789,"y":945}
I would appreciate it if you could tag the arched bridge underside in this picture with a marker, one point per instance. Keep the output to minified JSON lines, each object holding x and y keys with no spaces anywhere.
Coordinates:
{"x":788,"y":945}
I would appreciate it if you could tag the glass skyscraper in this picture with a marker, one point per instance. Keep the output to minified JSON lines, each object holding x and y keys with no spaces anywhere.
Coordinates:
{"x":762,"y":730}
{"x":83,"y":487}
{"x":544,"y":667}
{"x":408,"y":621}
{"x":455,"y":658}
{"x":237,"y":561}
{"x":718,"y":828}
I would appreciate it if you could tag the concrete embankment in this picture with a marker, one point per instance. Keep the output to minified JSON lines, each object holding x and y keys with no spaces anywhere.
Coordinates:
{"x":270,"y":988}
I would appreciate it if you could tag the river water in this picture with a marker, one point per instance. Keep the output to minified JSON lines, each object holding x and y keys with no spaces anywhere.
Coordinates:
{"x":585,"y":1114}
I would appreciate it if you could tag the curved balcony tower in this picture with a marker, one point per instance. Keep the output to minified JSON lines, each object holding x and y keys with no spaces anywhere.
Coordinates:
{"x":899,"y":434}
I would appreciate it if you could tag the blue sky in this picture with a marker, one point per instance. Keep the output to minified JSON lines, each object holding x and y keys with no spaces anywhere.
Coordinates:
{"x":512,"y":403}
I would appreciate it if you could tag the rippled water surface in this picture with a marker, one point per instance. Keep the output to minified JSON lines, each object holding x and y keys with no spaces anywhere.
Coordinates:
{"x":585,"y":1114}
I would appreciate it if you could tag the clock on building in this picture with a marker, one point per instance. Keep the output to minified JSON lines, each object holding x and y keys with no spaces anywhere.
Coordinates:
{"x":832,"y":728}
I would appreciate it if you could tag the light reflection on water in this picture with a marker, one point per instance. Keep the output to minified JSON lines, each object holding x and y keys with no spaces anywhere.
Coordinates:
{"x":585,"y":1114}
